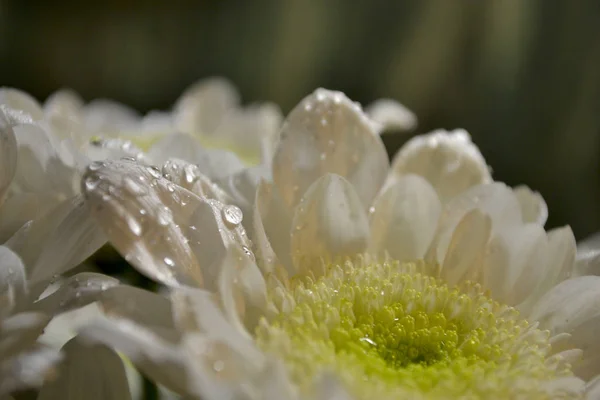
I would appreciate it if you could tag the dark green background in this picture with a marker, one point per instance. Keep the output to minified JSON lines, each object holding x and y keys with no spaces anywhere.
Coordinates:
{"x":523,"y":76}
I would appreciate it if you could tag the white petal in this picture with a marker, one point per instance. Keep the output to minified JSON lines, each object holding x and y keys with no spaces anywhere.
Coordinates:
{"x":20,"y":208}
{"x":28,"y":369}
{"x":466,"y":249}
{"x":63,"y":239}
{"x":329,"y":222}
{"x":89,"y":371}
{"x":20,"y":101}
{"x":515,"y":262}
{"x":188,"y":176}
{"x":272,"y":228}
{"x":588,"y":256}
{"x":203,"y":105}
{"x":65,"y":326}
{"x":151,"y":310}
{"x":391,"y":115}
{"x":569,"y":304}
{"x":158,"y":359}
{"x":8,"y":154}
{"x":585,"y":338}
{"x":448,"y":160}
{"x":107,"y":116}
{"x":496,"y":200}
{"x":327,"y":133}
{"x":404,"y":218}
{"x":161,"y":228}
{"x":98,"y":149}
{"x":20,"y":331}
{"x":12,"y":272}
{"x":533,"y":206}
{"x":77,"y":291}
{"x":214,"y":163}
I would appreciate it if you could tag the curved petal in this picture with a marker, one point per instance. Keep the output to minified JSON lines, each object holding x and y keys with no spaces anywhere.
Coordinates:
{"x":533,"y":206}
{"x":214,"y":163}
{"x":8,"y":154}
{"x":27,"y":369}
{"x":20,"y":331}
{"x":202,"y":107}
{"x":188,"y":176}
{"x":588,"y":256}
{"x":327,"y":133}
{"x":12,"y":272}
{"x":20,"y":208}
{"x":568,"y":305}
{"x":164,"y":230}
{"x":448,"y":160}
{"x":328,"y":223}
{"x":90,"y":372}
{"x":22,"y":102}
{"x":391,"y":115}
{"x":495,"y":199}
{"x":106,"y":116}
{"x":466,"y":249}
{"x":404,"y":218}
{"x":76,"y":292}
{"x":514,"y":264}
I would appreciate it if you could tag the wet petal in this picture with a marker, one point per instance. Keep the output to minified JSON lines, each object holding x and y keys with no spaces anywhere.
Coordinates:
{"x":8,"y":155}
{"x":448,"y":160}
{"x":329,"y":222}
{"x":77,"y":291}
{"x":20,"y":208}
{"x":203,"y":105}
{"x":164,"y":230}
{"x":391,"y":115}
{"x":404,"y":218}
{"x":327,"y":133}
{"x":533,"y":206}
{"x":12,"y":272}
{"x":214,"y":163}
{"x":20,"y":331}
{"x":21,"y":102}
{"x":89,"y":371}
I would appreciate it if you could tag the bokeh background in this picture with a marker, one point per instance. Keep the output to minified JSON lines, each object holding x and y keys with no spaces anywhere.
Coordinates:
{"x":522,"y":76}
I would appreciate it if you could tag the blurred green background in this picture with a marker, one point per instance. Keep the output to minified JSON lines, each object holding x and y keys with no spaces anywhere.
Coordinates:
{"x":522,"y":76}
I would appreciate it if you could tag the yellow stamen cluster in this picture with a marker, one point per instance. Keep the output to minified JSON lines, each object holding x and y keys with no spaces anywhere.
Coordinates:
{"x":388,"y":332}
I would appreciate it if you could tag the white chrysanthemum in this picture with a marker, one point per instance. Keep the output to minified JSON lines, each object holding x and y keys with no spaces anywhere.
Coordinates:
{"x":46,"y":230}
{"x":423,"y":280}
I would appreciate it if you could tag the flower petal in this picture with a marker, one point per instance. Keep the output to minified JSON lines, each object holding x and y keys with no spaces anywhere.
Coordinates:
{"x":20,"y":331}
{"x":12,"y":272}
{"x":160,"y":360}
{"x":588,"y":256}
{"x":8,"y":154}
{"x":165,"y":231}
{"x":568,"y":304}
{"x":467,"y":247}
{"x":533,"y":206}
{"x":148,"y":309}
{"x":214,"y":163}
{"x":391,"y":115}
{"x":89,"y":371}
{"x":28,"y":369}
{"x":203,"y":106}
{"x":20,"y":208}
{"x":327,"y":133}
{"x":404,"y":218}
{"x":21,"y":102}
{"x":448,"y":160}
{"x":328,"y":223}
{"x":77,"y":291}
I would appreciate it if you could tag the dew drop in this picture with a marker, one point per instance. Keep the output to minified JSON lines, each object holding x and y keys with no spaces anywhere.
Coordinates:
{"x":169,"y":261}
{"x":91,"y":182}
{"x":323,"y":156}
{"x":134,"y":226}
{"x":232,"y":215}
{"x":371,"y":210}
{"x":190,"y":173}
{"x":324,"y":121}
{"x":248,"y":252}
{"x":308,"y":106}
{"x":96,"y":165}
{"x":155,"y":172}
{"x":170,"y":188}
{"x":218,"y":365}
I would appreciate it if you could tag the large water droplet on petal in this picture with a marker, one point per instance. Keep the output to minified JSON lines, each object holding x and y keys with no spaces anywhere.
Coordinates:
{"x":232,"y":215}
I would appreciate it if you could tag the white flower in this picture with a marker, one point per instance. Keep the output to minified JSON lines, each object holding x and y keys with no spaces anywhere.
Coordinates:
{"x":423,"y":280}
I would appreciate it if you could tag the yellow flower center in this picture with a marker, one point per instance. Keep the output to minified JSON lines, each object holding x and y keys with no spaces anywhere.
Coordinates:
{"x":387,"y":332}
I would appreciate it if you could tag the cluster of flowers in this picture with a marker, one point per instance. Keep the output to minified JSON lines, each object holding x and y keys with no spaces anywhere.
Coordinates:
{"x":295,"y":262}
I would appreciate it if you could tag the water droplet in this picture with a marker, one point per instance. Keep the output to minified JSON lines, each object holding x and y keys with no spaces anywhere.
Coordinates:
{"x":96,"y":165}
{"x":367,"y":340}
{"x":218,"y":365}
{"x":232,"y":215}
{"x":169,"y":261}
{"x":321,"y":95}
{"x":248,"y":252}
{"x":324,"y":121}
{"x":191,"y":173}
{"x":134,"y":226}
{"x":371,"y":210}
{"x":163,"y":217}
{"x":323,"y":156}
{"x":132,"y":159}
{"x":91,"y":182}
{"x":170,"y":188}
{"x":155,"y":172}
{"x":308,"y":106}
